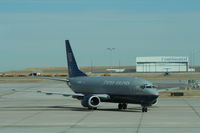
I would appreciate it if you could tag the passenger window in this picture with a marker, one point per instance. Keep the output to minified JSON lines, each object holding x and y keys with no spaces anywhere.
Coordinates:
{"x":148,"y":86}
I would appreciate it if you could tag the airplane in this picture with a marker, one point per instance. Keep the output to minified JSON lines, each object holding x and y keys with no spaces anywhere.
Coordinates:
{"x":92,"y":90}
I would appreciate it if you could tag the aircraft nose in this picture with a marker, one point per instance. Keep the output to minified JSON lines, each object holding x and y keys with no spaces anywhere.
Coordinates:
{"x":154,"y":92}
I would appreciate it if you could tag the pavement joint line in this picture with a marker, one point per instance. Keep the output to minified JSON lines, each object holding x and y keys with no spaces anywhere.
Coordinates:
{"x":140,"y":123}
{"x":76,"y":123}
{"x":40,"y":126}
{"x":27,"y":117}
{"x":79,"y":121}
{"x":192,"y":107}
{"x":63,"y":132}
{"x":9,"y":93}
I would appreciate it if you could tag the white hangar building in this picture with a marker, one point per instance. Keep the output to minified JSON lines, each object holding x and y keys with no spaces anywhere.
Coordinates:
{"x":162,"y":64}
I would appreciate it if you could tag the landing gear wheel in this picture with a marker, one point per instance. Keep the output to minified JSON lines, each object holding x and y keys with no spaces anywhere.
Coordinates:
{"x":144,"y":109}
{"x":120,"y":106}
{"x":124,"y":105}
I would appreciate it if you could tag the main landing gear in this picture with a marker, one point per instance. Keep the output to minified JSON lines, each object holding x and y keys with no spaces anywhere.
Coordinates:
{"x":122,"y":106}
{"x":144,"y":109}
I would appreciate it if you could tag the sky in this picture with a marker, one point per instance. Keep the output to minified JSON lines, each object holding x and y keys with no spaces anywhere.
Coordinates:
{"x":33,"y":32}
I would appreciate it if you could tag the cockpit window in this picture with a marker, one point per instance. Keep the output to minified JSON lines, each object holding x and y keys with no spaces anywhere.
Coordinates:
{"x":148,"y":87}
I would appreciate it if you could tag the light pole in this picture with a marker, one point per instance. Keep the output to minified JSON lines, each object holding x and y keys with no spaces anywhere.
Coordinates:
{"x":111,"y":56}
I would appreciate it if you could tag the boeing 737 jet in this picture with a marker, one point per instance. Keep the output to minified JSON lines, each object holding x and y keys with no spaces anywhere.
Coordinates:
{"x":92,"y":90}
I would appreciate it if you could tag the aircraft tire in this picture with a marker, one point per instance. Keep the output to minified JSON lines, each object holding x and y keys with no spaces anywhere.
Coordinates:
{"x":124,"y":105}
{"x":120,"y":106}
{"x":144,"y":109}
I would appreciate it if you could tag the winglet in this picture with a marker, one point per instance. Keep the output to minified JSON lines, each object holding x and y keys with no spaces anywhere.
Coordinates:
{"x":73,"y":69}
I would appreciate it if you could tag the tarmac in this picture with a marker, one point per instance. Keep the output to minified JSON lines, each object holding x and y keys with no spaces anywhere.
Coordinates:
{"x":28,"y":112}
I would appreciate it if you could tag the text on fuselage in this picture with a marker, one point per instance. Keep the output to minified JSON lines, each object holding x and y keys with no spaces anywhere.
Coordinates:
{"x":118,"y":83}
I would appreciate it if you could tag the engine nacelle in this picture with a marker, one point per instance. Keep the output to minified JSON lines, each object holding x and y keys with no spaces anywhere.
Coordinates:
{"x":154,"y":102}
{"x":91,"y":101}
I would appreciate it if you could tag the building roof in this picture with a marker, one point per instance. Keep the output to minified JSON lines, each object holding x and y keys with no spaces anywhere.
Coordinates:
{"x":162,"y":59}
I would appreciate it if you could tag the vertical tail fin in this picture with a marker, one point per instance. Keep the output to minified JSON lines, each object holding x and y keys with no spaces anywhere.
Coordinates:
{"x":73,"y":69}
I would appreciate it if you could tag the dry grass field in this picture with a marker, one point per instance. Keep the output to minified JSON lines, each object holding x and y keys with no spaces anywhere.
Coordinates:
{"x":101,"y":71}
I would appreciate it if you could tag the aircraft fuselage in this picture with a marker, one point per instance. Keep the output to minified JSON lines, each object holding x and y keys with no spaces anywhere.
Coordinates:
{"x":119,"y":89}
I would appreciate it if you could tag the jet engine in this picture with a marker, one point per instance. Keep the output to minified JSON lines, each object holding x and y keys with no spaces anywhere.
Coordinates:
{"x":91,"y":101}
{"x":155,"y":102}
{"x":152,"y":103}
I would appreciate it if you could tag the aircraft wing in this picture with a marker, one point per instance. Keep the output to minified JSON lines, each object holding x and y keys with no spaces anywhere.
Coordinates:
{"x":168,"y":89}
{"x":74,"y":95}
{"x":57,"y":79}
